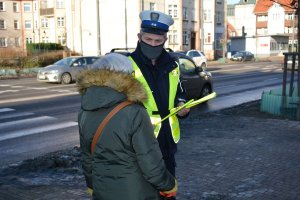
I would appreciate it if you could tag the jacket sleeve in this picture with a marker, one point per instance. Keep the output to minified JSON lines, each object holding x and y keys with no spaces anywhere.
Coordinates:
{"x":86,"y":160}
{"x":148,"y":153}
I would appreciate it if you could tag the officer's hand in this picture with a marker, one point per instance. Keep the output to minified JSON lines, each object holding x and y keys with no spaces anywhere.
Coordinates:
{"x":184,"y":111}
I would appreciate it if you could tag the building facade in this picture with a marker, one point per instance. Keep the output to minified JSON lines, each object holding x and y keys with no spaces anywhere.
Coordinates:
{"x":11,"y":25}
{"x":94,"y":27}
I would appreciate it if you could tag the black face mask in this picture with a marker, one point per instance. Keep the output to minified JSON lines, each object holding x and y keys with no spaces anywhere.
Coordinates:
{"x":151,"y":52}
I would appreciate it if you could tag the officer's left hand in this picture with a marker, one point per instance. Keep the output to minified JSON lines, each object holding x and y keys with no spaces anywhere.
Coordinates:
{"x":184,"y":111}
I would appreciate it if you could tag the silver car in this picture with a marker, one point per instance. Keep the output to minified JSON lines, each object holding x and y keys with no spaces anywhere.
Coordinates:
{"x":198,"y":57}
{"x":65,"y":70}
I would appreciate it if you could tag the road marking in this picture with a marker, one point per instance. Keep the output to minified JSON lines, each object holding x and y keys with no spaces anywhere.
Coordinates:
{"x":60,"y":90}
{"x":25,"y":121}
{"x":4,"y":85}
{"x":6,"y":109}
{"x":7,"y":91}
{"x":11,"y":115}
{"x":36,"y":98}
{"x":17,"y":86}
{"x":32,"y":131}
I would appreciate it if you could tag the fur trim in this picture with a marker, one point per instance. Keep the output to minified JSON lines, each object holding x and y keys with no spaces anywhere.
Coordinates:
{"x":118,"y":81}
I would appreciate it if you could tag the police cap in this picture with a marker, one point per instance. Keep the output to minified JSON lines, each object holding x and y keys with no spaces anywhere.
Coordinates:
{"x":155,"y":22}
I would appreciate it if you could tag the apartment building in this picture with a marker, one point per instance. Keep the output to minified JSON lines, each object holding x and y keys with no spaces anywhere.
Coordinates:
{"x":11,"y":25}
{"x":94,"y":27}
{"x":276,"y":27}
{"x":214,"y":34}
{"x":31,"y":21}
{"x":185,"y":34}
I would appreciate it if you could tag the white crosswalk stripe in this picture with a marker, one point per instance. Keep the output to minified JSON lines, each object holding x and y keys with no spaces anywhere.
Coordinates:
{"x":15,"y":124}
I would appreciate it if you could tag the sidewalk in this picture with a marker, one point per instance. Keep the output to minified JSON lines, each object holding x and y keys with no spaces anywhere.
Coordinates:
{"x":234,"y":154}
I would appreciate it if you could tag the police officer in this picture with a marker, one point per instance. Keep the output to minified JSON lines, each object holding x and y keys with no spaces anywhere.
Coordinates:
{"x":159,"y":73}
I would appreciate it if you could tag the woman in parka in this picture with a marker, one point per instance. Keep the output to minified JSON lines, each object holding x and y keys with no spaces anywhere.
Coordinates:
{"x":127,"y":162}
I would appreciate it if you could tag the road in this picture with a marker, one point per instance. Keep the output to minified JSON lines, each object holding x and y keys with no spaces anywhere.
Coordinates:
{"x":36,"y":118}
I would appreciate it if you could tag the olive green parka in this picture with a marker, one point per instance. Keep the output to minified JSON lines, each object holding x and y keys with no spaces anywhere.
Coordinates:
{"x":127,"y":162}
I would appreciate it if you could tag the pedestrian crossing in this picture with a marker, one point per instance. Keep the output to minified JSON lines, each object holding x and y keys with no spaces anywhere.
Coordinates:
{"x":14,"y":124}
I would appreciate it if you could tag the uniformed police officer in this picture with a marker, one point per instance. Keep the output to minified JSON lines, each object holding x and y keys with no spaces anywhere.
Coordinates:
{"x":159,"y":73}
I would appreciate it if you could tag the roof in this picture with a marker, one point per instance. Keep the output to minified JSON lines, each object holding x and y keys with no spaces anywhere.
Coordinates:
{"x":262,"y":6}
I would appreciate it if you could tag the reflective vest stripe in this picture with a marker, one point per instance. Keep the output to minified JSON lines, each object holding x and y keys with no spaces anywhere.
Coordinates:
{"x":150,"y":103}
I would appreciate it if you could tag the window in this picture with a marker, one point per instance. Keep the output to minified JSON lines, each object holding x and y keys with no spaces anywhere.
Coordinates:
{"x":2,"y":24}
{"x":44,"y":23}
{"x":45,"y":39}
{"x":173,"y":37}
{"x":230,"y":11}
{"x":175,"y":11}
{"x":61,"y":40}
{"x":15,"y":7}
{"x":208,"y":38}
{"x":60,"y":3}
{"x":16,"y":24}
{"x":219,"y":17}
{"x":172,"y":10}
{"x":60,"y":22}
{"x":27,"y":24}
{"x":2,"y":6}
{"x":184,"y":13}
{"x":262,"y":31}
{"x":152,"y":6}
{"x":17,"y":42}
{"x":27,"y":7}
{"x":3,"y":42}
{"x":262,"y":18}
{"x":207,"y":15}
{"x":44,"y":4}
{"x":185,"y":38}
{"x":289,"y":16}
{"x":186,"y":66}
{"x":28,"y":40}
{"x":276,"y":16}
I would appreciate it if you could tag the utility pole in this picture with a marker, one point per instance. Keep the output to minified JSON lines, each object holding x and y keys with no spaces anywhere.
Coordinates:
{"x":98,"y":28}
{"x":126,"y":45}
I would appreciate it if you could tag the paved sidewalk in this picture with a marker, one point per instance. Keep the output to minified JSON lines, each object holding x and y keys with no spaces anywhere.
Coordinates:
{"x":234,"y":154}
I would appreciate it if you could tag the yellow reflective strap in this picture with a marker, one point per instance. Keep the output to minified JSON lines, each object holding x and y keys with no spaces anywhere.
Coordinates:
{"x":174,"y":123}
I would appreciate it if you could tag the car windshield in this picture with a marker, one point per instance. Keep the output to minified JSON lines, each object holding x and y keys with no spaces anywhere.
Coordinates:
{"x":238,"y":54}
{"x":65,"y":61}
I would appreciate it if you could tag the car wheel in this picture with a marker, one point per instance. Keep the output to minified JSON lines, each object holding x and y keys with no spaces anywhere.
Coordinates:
{"x":206,"y":90}
{"x":66,"y":78}
{"x":203,"y":66}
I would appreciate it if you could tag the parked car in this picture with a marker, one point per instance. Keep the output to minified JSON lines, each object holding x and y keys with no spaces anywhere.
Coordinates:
{"x":198,"y":57}
{"x":65,"y":70}
{"x":242,"y":56}
{"x":196,"y":80}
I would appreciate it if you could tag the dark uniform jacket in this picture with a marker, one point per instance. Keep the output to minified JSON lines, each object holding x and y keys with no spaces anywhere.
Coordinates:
{"x":157,"y":77}
{"x":127,"y":162}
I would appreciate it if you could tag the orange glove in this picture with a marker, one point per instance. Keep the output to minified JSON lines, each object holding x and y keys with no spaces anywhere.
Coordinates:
{"x":173,"y":194}
{"x":170,"y":193}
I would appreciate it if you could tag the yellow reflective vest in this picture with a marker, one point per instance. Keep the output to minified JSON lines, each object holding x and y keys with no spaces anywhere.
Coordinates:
{"x":150,"y":103}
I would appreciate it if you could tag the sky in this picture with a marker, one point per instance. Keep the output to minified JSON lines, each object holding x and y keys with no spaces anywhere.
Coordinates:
{"x":232,"y":1}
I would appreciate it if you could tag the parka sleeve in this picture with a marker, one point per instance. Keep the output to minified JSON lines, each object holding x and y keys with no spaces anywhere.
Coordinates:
{"x":148,"y":153}
{"x":86,"y":159}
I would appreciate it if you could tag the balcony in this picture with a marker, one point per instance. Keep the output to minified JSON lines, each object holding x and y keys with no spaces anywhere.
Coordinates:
{"x":47,"y":11}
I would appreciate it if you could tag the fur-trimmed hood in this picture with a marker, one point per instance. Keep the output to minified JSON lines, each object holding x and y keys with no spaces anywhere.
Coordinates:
{"x":105,"y":84}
